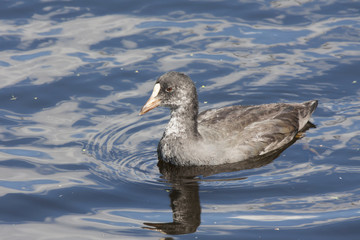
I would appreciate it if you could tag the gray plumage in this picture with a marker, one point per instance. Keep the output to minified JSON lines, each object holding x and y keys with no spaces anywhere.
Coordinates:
{"x":225,"y":135}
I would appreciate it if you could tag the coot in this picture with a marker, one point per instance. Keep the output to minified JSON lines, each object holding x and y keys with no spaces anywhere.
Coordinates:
{"x":225,"y":135}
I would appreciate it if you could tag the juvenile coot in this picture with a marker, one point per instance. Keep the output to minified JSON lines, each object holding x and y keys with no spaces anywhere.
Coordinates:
{"x":225,"y":135}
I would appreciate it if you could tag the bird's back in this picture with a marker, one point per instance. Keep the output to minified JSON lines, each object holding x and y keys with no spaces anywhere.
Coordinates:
{"x":254,"y":130}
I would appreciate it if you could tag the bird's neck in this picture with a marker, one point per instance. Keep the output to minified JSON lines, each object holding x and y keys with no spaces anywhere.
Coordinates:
{"x":183,"y":122}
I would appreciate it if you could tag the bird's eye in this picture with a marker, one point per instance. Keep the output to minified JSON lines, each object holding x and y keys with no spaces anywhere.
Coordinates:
{"x":169,"y":89}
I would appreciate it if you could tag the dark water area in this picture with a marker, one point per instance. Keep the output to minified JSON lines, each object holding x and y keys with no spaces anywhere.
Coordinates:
{"x":78,"y":162}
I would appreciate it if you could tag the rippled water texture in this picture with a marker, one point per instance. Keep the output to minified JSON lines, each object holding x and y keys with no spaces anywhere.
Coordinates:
{"x":77,"y":162}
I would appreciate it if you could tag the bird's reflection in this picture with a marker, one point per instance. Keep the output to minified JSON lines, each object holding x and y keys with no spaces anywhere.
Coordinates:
{"x":184,"y":195}
{"x":185,"y":204}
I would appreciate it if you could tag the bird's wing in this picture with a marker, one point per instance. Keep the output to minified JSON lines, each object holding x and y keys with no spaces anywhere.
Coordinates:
{"x":258,"y":129}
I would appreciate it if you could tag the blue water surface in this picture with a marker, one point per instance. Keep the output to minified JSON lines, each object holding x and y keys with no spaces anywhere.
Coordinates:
{"x":78,"y":162}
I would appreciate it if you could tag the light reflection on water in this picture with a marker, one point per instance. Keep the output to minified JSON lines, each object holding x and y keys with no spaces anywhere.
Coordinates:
{"x":72,"y":45}
{"x":73,"y":81}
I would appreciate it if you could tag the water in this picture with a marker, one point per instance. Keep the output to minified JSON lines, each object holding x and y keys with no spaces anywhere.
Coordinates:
{"x":77,"y":162}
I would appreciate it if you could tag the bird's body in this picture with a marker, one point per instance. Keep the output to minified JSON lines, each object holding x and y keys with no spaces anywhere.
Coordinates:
{"x":225,"y":135}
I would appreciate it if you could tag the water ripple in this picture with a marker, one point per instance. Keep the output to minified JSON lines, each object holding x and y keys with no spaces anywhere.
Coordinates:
{"x":121,"y":152}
